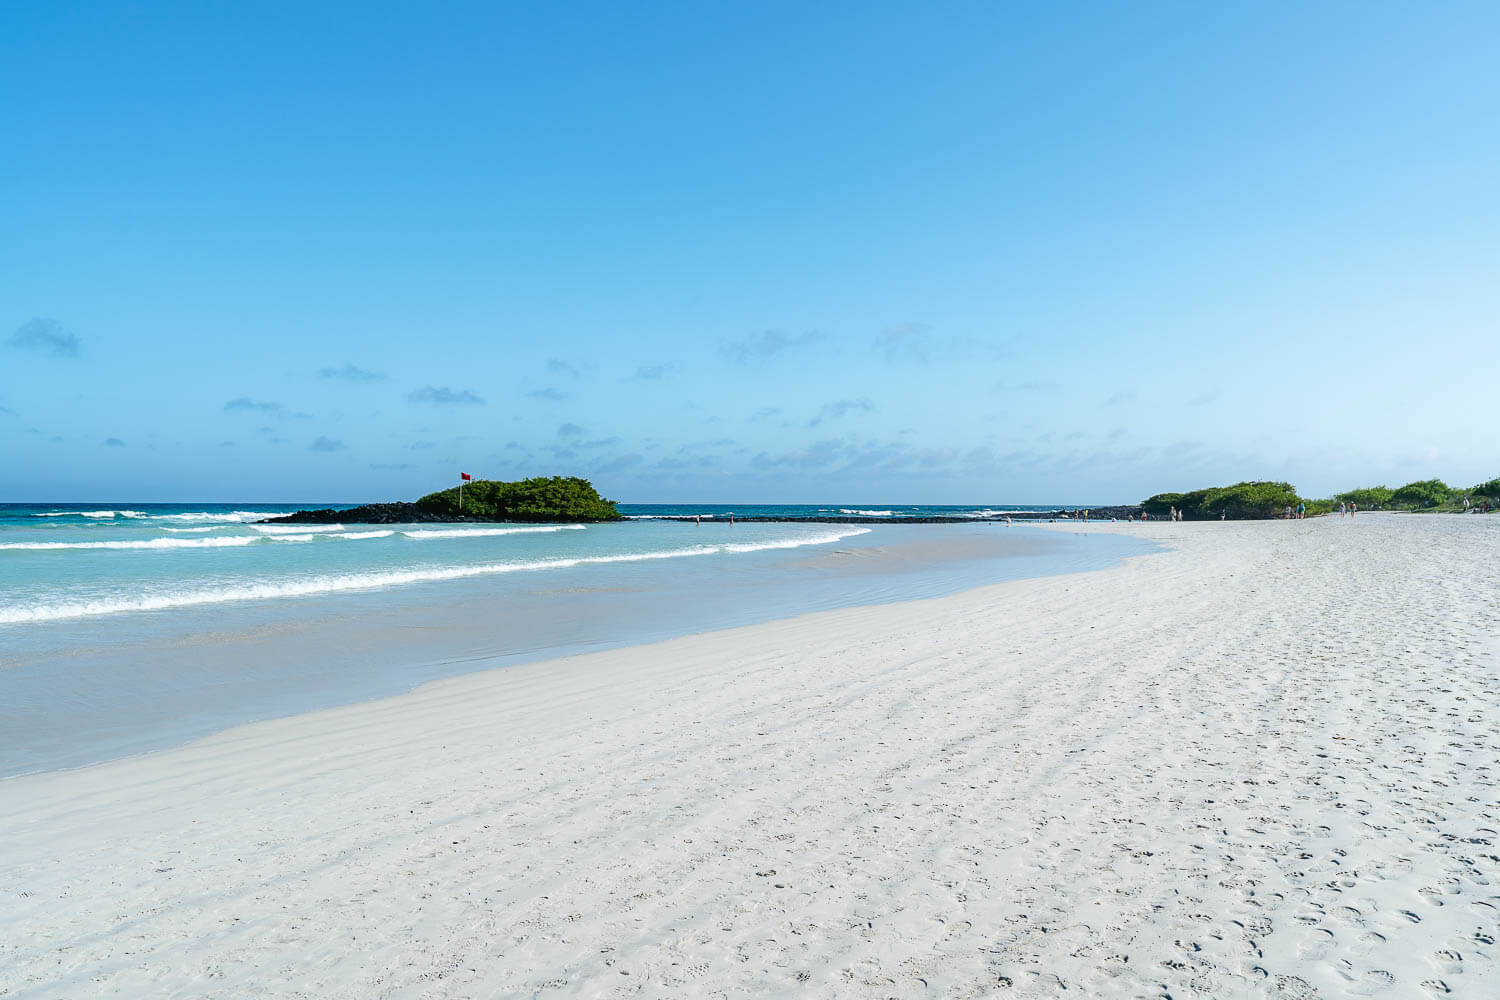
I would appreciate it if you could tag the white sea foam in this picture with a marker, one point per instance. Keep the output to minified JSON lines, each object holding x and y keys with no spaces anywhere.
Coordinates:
{"x":329,"y":584}
{"x":364,"y":534}
{"x":481,"y":532}
{"x":237,"y":516}
{"x":867,"y":513}
{"x":294,"y":529}
{"x":307,"y":586}
{"x":97,"y":515}
{"x":292,"y":538}
{"x":794,"y":543}
{"x":211,"y":527}
{"x":153,"y":543}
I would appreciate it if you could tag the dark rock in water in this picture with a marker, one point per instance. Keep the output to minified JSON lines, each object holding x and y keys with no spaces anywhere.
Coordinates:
{"x":370,"y":513}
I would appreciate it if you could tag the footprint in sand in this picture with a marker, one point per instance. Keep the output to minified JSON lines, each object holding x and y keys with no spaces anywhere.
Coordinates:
{"x":1316,"y":945}
{"x":1372,"y":982}
{"x":1293,"y":988}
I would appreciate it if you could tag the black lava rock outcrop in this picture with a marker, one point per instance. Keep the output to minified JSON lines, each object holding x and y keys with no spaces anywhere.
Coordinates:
{"x":370,"y":513}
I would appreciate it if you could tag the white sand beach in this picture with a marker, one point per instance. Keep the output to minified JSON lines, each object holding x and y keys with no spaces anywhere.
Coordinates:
{"x":1264,"y":762}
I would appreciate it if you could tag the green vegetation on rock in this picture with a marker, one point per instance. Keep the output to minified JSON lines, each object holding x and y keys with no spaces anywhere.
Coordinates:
{"x":1254,"y":500}
{"x":1369,"y":498}
{"x":1162,"y":503}
{"x":1240,"y":502}
{"x":1422,"y":494}
{"x":544,"y":498}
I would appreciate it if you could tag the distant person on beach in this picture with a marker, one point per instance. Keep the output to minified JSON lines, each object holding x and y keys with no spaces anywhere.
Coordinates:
{"x":1221,"y":515}
{"x":1301,"y":510}
{"x":1352,"y":508}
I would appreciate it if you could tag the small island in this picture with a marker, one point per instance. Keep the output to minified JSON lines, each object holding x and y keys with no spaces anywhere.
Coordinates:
{"x":551,"y":499}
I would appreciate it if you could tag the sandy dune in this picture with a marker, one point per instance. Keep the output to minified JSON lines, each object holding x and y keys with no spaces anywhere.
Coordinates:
{"x":1264,"y":763}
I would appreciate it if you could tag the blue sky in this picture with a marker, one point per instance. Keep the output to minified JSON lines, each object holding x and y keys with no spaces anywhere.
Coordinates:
{"x":760,"y":252}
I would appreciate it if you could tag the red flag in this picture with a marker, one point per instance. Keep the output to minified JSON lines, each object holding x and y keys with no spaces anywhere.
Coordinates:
{"x":465,"y":476}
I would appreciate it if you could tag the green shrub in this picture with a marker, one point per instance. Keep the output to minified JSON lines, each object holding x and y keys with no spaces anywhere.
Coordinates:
{"x":1194,"y":506}
{"x":1250,"y":501}
{"x":1490,"y":489}
{"x":1424,"y":493}
{"x":545,"y":498}
{"x":1162,"y":503}
{"x":1369,"y":497}
{"x":1242,"y":501}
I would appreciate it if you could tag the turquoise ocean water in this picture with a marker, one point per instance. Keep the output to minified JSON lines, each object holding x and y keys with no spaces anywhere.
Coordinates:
{"x":130,"y":627}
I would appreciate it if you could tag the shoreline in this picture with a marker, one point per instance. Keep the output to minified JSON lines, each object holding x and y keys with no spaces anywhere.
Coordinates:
{"x":1241,"y":762}
{"x":204,"y":671}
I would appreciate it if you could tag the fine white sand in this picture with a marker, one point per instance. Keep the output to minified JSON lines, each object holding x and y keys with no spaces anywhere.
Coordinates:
{"x":1262,"y":763}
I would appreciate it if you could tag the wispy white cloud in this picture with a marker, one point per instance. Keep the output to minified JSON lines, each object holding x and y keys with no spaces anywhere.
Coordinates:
{"x":439,"y":395}
{"x":769,"y":343}
{"x":44,"y":336}
{"x":351,"y":373}
{"x":841,"y":407}
{"x":246,"y":403}
{"x":916,"y":343}
{"x":654,"y":373}
{"x":559,"y":367}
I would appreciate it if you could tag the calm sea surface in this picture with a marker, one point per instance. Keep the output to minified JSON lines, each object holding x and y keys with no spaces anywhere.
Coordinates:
{"x":131,"y":627}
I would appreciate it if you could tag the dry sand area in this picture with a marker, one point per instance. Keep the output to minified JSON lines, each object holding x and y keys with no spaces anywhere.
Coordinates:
{"x":1264,"y":762}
